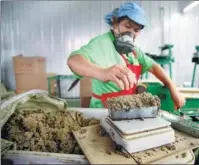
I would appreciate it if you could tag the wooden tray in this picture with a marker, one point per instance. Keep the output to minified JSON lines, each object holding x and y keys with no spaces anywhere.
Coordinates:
{"x":101,"y":149}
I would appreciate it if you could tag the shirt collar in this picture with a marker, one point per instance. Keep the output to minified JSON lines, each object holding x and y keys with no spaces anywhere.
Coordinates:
{"x":111,"y":35}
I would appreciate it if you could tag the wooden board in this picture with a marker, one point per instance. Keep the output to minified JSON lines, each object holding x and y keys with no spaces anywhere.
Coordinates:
{"x":188,"y":90}
{"x":100,"y":149}
{"x":96,"y":147}
{"x":191,"y":96}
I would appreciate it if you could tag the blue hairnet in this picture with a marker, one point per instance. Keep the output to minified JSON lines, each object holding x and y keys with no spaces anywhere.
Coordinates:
{"x":130,"y":9}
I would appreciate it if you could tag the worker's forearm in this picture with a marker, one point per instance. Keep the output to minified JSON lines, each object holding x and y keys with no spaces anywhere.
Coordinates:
{"x":162,"y":76}
{"x":83,"y":67}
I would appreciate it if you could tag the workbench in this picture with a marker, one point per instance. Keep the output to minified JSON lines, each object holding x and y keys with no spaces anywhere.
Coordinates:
{"x":30,"y":157}
{"x":103,"y":147}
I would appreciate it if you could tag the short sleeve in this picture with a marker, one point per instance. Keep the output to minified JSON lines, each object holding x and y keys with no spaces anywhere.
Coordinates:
{"x":86,"y":51}
{"x":144,"y":60}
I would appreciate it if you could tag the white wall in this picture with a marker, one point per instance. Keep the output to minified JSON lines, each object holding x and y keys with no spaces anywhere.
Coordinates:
{"x":184,"y":33}
{"x":54,"y":29}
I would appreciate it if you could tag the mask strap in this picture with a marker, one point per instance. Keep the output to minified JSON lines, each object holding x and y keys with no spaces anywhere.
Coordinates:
{"x":120,"y":35}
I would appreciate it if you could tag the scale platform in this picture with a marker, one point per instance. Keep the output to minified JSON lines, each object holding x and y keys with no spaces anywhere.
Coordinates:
{"x":139,"y":135}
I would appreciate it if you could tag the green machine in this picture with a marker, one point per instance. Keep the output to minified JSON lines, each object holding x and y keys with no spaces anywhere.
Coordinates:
{"x":191,"y":107}
{"x":164,"y":58}
{"x":195,"y":60}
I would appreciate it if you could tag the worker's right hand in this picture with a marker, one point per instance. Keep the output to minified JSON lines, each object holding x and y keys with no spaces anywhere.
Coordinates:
{"x":122,"y":76}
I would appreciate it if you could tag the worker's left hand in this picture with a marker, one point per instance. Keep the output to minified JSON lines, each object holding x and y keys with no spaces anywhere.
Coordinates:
{"x":178,"y":99}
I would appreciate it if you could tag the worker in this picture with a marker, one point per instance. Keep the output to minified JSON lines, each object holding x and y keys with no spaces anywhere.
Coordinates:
{"x":113,"y":60}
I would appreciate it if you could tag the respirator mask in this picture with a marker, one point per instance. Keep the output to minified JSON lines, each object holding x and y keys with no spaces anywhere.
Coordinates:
{"x":124,"y":43}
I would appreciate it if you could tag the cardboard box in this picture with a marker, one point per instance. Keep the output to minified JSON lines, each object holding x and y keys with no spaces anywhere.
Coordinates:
{"x":53,"y":84}
{"x":26,"y":82}
{"x":85,"y":92}
{"x":85,"y":102}
{"x":85,"y":87}
{"x":29,"y":65}
{"x":31,"y":81}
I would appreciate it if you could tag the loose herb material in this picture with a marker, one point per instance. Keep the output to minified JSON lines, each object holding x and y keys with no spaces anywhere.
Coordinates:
{"x":45,"y":131}
{"x":133,"y":101}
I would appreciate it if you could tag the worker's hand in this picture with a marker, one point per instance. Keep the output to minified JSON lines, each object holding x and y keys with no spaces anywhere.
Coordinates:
{"x":178,"y":99}
{"x":122,"y":76}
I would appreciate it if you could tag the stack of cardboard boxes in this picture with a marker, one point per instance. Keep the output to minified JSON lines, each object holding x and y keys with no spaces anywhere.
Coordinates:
{"x":30,"y":73}
{"x":85,"y":92}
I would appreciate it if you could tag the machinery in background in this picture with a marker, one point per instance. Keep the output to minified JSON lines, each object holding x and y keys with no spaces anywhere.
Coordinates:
{"x":164,"y":58}
{"x":182,"y":124}
{"x":195,"y":60}
{"x":191,"y":107}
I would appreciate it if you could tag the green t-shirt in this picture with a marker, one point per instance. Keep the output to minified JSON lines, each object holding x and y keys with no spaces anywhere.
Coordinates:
{"x":101,"y":51}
